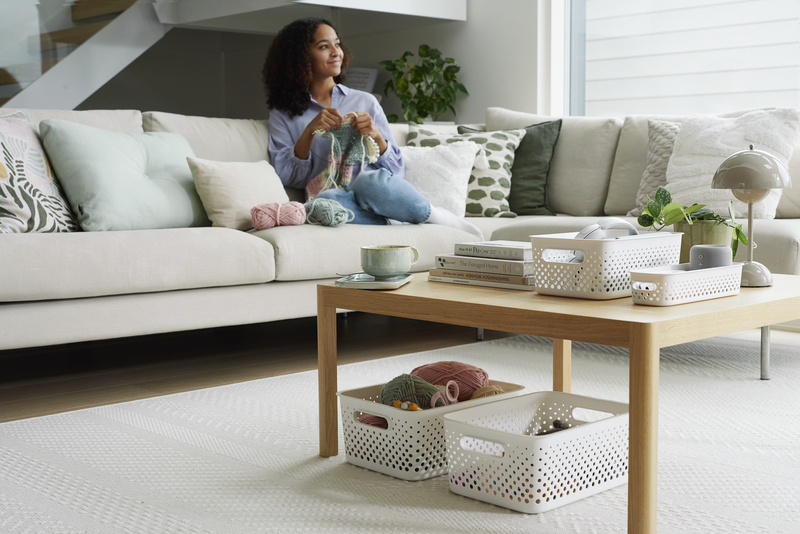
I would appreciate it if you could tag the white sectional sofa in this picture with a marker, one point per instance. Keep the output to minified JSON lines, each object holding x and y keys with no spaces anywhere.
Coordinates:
{"x":69,"y":287}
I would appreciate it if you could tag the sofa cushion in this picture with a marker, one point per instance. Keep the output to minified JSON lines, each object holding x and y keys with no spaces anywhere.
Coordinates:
{"x":229,"y":190}
{"x":581,"y":166}
{"x":115,"y":120}
{"x":214,"y":139}
{"x":31,"y":199}
{"x":704,"y":142}
{"x":441,"y":173}
{"x":310,"y":252}
{"x":123,"y":181}
{"x":631,"y":159}
{"x":528,"y":195}
{"x":90,"y":264}
{"x":661,"y":140}
{"x":490,"y":182}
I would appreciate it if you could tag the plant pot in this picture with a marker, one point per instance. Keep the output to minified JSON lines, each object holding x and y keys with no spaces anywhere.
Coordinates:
{"x":702,"y":233}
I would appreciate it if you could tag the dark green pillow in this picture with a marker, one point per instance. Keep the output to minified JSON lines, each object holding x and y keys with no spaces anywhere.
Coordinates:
{"x":528,"y":194}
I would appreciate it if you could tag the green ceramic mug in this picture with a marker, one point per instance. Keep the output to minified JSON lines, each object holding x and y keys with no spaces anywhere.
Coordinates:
{"x":388,"y":261}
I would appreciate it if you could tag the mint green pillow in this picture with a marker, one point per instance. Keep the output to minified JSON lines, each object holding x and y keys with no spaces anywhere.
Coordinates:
{"x":123,"y":181}
{"x":531,"y":168}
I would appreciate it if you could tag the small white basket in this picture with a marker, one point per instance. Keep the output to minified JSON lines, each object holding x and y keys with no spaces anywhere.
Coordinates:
{"x":604,"y":272}
{"x":676,"y":284}
{"x":496,"y":453}
{"x":413,"y":446}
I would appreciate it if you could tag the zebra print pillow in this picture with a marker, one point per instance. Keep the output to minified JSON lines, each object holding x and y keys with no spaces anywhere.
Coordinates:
{"x":31,"y":199}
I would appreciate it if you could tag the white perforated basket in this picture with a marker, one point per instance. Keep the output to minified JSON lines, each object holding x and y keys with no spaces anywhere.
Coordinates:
{"x":413,"y":446}
{"x":604,"y":272}
{"x":495,"y":453}
{"x":676,"y":284}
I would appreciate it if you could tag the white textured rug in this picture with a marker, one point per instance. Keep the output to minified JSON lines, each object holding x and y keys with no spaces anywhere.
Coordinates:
{"x":243,"y":458}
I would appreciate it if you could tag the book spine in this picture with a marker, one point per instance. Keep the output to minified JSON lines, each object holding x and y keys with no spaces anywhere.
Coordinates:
{"x":483,"y":265}
{"x":493,"y":251}
{"x":488,"y":277}
{"x":482,"y":283}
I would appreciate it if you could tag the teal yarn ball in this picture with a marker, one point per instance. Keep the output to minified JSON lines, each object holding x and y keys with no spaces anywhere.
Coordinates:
{"x":408,"y":388}
{"x":327,"y":212}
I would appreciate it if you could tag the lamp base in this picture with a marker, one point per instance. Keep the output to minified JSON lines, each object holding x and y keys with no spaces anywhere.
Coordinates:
{"x":755,"y":274}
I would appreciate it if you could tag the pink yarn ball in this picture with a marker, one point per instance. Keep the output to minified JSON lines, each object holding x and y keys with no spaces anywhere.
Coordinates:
{"x":468,"y":377}
{"x":373,"y":420}
{"x":277,"y":214}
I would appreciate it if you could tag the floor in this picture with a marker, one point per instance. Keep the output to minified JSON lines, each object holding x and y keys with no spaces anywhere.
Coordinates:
{"x":36,"y":382}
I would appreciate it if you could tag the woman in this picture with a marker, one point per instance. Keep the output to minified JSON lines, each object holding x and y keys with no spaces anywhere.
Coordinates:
{"x":303,"y":79}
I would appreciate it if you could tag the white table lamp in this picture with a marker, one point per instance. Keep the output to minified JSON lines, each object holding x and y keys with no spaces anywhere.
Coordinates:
{"x":750,"y":174}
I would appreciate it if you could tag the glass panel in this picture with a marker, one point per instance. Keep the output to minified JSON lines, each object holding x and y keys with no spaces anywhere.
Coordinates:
{"x":688,"y":56}
{"x":20,"y":55}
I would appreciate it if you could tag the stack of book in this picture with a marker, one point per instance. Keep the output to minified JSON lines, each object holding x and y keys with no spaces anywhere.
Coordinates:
{"x":505,"y":264}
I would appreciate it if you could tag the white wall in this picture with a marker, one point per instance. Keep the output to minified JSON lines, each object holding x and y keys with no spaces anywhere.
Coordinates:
{"x":495,"y":47}
{"x":210,"y":73}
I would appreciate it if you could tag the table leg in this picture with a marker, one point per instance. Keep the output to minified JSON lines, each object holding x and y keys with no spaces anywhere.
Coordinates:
{"x":326,"y":354}
{"x":562,"y":365}
{"x":765,"y":352}
{"x":643,"y":431}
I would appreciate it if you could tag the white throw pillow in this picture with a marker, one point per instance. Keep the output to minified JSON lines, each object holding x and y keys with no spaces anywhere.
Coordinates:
{"x":661,"y":140}
{"x":441,"y":173}
{"x":229,"y":190}
{"x":704,"y":142}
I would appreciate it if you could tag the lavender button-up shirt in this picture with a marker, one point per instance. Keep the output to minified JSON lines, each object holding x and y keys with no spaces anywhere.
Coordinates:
{"x":284,"y":133}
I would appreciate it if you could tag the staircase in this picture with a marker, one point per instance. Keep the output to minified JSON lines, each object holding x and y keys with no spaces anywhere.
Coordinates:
{"x":31,"y":84}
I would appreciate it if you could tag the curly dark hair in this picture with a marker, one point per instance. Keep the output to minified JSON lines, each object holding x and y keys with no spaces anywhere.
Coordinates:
{"x":287,"y":70}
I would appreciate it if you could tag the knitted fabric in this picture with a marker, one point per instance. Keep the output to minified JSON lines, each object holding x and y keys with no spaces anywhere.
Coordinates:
{"x":347,"y":148}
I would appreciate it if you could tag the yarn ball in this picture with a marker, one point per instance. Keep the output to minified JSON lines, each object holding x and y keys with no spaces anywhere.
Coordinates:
{"x":408,"y":388}
{"x":468,"y":377}
{"x":372,"y":420}
{"x":327,"y":212}
{"x":487,"y":391}
{"x":277,"y":214}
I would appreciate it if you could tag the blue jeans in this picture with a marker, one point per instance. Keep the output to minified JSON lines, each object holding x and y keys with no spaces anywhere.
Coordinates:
{"x":375,"y":196}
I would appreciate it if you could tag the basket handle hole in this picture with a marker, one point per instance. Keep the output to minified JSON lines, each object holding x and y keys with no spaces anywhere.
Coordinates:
{"x":369,"y":419}
{"x":489,"y":448}
{"x":585,"y":415}
{"x":644,"y":286}
{"x":562,"y":256}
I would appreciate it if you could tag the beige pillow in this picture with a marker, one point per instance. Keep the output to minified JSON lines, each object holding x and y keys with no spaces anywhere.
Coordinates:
{"x":582,"y":158}
{"x":229,"y":190}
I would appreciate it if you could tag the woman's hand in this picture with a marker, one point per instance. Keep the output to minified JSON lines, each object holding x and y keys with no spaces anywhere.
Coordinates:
{"x":328,"y":119}
{"x":362,"y":122}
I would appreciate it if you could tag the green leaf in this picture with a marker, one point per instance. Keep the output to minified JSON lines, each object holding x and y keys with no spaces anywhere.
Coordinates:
{"x":424,"y":50}
{"x":392,"y":118}
{"x":645,"y":220}
{"x":663,"y":196}
{"x":672,"y":217}
{"x":693,"y":208}
{"x":653,"y":208}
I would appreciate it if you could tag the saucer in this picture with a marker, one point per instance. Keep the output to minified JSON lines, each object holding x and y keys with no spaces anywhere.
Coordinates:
{"x":365,"y":281}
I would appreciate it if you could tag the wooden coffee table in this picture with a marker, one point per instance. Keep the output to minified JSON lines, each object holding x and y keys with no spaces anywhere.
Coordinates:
{"x":619,"y":323}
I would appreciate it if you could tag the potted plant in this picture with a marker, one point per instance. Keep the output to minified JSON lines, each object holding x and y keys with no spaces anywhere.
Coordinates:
{"x":698,"y":224}
{"x":426,"y":88}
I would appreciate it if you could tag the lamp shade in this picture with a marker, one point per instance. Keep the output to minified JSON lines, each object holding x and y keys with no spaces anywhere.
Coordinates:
{"x":751,"y":169}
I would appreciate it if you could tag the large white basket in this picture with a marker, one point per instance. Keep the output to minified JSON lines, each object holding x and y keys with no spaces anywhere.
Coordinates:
{"x":676,"y":284}
{"x":495,"y":455}
{"x":604,"y":272}
{"x":413,"y":446}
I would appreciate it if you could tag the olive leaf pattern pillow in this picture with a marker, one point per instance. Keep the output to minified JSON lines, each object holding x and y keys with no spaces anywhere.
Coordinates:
{"x":488,"y":188}
{"x":31,"y":198}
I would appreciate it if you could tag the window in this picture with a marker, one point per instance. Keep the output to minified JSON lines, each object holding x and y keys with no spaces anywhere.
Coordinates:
{"x":683,"y":57}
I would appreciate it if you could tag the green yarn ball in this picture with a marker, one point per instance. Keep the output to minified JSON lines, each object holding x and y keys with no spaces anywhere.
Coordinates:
{"x":408,"y":388}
